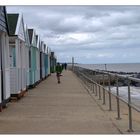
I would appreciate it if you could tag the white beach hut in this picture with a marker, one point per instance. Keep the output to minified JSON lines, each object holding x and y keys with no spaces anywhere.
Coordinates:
{"x":17,"y":55}
{"x":4,"y":59}
{"x":27,"y":47}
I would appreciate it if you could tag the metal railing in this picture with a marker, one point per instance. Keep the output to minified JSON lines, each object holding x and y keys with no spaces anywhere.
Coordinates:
{"x":100,"y":83}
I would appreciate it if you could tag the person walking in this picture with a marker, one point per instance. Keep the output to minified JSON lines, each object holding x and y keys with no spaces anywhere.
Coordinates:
{"x":58,"y":72}
{"x":65,"y":65}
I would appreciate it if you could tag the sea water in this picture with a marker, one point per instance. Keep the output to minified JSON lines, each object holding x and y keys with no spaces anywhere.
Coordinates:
{"x":122,"y":67}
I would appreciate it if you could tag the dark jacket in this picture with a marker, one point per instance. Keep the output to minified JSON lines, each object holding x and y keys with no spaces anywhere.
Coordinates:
{"x":58,"y":69}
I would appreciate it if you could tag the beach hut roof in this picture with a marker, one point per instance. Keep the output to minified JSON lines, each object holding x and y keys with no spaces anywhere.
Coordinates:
{"x":32,"y":37}
{"x":41,"y":46}
{"x":30,"y":31}
{"x":16,"y":25}
{"x":48,"y":50}
{"x":36,"y":38}
{"x":38,"y":41}
{"x":12,"y":21}
{"x":3,"y":19}
{"x":45,"y":48}
{"x":27,"y":36}
{"x":53,"y":55}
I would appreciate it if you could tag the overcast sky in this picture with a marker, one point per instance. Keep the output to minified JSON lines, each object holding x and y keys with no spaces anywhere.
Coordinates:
{"x":91,"y":34}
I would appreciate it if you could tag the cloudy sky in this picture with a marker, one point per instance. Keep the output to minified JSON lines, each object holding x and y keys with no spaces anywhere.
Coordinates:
{"x":90,"y":34}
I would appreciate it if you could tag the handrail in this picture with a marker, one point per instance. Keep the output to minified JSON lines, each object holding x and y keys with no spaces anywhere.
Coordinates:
{"x":123,"y":100}
{"x":82,"y":71}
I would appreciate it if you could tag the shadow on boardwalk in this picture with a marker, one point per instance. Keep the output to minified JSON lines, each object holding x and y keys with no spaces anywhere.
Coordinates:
{"x":53,"y":108}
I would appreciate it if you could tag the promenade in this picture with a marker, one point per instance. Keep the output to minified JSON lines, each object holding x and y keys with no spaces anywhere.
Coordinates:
{"x":52,"y":108}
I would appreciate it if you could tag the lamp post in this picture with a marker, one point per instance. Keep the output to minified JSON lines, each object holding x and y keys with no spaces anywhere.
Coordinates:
{"x":72,"y":63}
{"x":105,"y":67}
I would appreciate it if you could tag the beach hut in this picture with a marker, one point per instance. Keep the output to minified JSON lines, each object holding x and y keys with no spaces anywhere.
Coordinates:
{"x":27,"y":48}
{"x":17,"y":55}
{"x":52,"y":62}
{"x":43,"y":61}
{"x":42,"y":67}
{"x":49,"y":55}
{"x":40,"y":50}
{"x":4,"y":59}
{"x":46,"y":60}
{"x":32,"y":58}
{"x":37,"y":59}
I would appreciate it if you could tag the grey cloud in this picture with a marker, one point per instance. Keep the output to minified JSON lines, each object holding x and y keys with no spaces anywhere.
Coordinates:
{"x":92,"y":31}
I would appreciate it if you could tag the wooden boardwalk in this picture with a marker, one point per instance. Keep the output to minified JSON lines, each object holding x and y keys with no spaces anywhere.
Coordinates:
{"x":53,"y":108}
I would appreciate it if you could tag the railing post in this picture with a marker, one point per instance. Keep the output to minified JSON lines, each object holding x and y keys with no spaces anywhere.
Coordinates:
{"x":110,"y":105}
{"x":96,"y":85}
{"x":117,"y":98}
{"x":92,"y":83}
{"x":129,"y":108}
{"x":103,"y":90}
{"x":99,"y":90}
{"x":94,"y":88}
{"x":87,"y":83}
{"x":91,"y":86}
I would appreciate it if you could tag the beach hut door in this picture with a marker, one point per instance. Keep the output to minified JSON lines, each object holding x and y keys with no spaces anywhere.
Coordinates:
{"x":40,"y":65}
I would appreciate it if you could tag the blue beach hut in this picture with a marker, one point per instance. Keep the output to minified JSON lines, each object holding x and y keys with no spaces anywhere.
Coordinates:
{"x":37,"y":59}
{"x":32,"y":58}
{"x":42,"y":67}
{"x":46,"y":60}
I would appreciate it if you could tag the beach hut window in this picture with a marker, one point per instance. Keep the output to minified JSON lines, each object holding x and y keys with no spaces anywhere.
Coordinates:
{"x":12,"y":56}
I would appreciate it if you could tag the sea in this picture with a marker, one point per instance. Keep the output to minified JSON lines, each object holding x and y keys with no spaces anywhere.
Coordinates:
{"x":118,"y":67}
